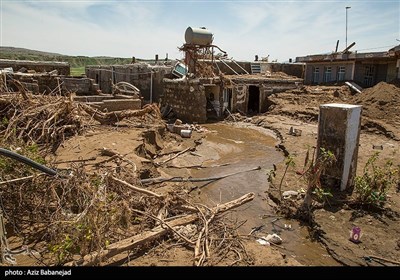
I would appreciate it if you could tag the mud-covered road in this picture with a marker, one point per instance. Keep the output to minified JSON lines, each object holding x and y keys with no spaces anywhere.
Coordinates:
{"x":231,"y":148}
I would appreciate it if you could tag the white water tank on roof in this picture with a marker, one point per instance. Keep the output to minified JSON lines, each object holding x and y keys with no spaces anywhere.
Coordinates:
{"x":198,"y":36}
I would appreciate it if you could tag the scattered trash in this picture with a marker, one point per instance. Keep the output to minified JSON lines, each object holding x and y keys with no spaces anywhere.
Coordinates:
{"x":332,"y":218}
{"x":273,"y":238}
{"x":302,"y":190}
{"x":288,"y":226}
{"x":186,"y":133}
{"x":262,"y":241}
{"x":188,"y":231}
{"x":377,"y":147}
{"x":379,"y":259}
{"x":288,"y":194}
{"x":254,"y":229}
{"x":295,"y":131}
{"x":355,"y":235}
{"x":170,"y":127}
{"x":185,"y":130}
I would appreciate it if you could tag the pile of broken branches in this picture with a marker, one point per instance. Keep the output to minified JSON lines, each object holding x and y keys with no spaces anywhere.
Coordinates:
{"x":93,"y":219}
{"x":117,"y":116}
{"x":39,"y":119}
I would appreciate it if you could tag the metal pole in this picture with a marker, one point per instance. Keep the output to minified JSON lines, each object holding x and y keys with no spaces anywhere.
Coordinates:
{"x":151,"y":86}
{"x":346,"y":24}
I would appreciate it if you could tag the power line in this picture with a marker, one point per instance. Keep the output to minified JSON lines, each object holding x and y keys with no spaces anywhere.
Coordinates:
{"x":391,"y":46}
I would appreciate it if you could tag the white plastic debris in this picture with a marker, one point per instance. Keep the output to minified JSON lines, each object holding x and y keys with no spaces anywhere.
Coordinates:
{"x":273,"y":238}
{"x":288,"y":194}
{"x":262,"y":241}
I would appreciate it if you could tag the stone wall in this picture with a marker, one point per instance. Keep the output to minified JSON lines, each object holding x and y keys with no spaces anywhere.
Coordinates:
{"x":292,"y":69}
{"x":63,"y":68}
{"x":46,"y":83}
{"x":147,"y":78}
{"x":187,"y":99}
{"x":266,"y":87}
{"x":81,"y":86}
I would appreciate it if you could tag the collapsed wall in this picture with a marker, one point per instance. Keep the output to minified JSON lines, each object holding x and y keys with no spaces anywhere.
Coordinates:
{"x":47,"y":83}
{"x":63,"y":68}
{"x":187,"y":98}
{"x":147,"y":78}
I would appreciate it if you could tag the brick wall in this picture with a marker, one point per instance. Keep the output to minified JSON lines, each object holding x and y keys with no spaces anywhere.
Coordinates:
{"x":79,"y":86}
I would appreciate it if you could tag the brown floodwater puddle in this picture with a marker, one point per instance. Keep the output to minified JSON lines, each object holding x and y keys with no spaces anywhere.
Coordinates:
{"x":244,"y":147}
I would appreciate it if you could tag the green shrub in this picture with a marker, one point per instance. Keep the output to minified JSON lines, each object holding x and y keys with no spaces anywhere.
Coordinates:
{"x":373,"y":185}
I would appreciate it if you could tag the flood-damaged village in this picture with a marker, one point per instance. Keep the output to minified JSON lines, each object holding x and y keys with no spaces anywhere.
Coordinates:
{"x":202,"y":161}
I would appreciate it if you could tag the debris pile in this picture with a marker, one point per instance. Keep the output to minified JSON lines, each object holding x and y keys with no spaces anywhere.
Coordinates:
{"x":185,"y":130}
{"x":45,"y":120}
{"x":96,"y":219}
{"x":381,"y":102}
{"x":117,"y":116}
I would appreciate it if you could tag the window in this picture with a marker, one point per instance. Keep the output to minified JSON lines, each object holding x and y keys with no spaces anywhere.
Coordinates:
{"x":328,"y":74}
{"x":369,"y":75}
{"x":341,"y":74}
{"x":316,"y":75}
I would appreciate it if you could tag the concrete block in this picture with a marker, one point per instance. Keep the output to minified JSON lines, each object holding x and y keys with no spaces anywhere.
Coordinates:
{"x":121,"y":104}
{"x":339,"y":132}
{"x":93,"y":98}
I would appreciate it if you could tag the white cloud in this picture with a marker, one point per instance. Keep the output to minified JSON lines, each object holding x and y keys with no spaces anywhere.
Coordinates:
{"x":243,"y":29}
{"x":132,"y":31}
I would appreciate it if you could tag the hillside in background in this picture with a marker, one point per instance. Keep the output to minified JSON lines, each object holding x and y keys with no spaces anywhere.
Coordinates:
{"x":74,"y":61}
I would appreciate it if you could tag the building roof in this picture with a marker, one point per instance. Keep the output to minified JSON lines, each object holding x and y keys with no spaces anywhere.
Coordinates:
{"x":344,"y":56}
{"x":341,"y":56}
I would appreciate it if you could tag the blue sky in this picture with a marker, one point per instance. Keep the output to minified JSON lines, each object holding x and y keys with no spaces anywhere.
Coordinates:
{"x":280,"y":29}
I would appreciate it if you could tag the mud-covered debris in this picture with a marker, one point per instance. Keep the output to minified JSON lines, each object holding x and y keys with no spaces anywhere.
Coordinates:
{"x":187,"y":231}
{"x":288,"y":194}
{"x":273,"y":238}
{"x":262,"y":241}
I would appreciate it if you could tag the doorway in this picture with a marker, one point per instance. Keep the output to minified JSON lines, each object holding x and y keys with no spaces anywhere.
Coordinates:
{"x":253,"y":106}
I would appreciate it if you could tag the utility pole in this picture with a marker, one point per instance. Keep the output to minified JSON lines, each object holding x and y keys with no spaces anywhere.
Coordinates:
{"x":346,"y":24}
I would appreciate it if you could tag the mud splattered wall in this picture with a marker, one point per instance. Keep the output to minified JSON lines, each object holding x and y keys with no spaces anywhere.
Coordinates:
{"x":239,"y":98}
{"x":187,"y":99}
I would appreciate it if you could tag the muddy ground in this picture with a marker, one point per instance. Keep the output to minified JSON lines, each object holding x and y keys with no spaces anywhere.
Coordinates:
{"x":248,"y":148}
{"x":380,"y":133}
{"x":227,"y":145}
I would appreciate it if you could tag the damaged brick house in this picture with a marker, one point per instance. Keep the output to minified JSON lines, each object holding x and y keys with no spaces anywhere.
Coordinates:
{"x":365,"y":69}
{"x":211,"y":85}
{"x":53,"y":78}
{"x":47,"y":77}
{"x":145,"y":76}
